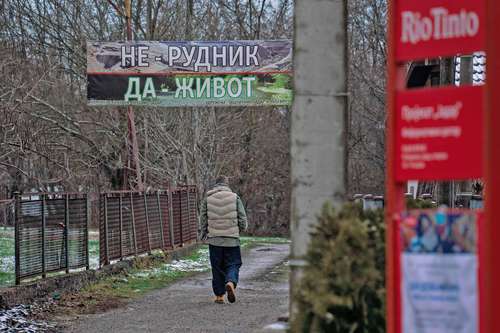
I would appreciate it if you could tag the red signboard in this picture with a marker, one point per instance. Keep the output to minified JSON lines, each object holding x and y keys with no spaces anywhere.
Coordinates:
{"x":443,"y":134}
{"x":433,"y":28}
{"x":439,"y":134}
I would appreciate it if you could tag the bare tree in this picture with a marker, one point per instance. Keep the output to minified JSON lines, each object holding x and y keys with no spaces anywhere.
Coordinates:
{"x":49,"y":136}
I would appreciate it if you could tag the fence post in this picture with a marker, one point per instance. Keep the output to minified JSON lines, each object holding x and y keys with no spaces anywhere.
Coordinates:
{"x":17,"y":205}
{"x":87,"y":231}
{"x":121,"y":226}
{"x":190,"y":222}
{"x":44,"y":209}
{"x":106,"y":235}
{"x":181,"y":216}
{"x":161,"y":219}
{"x":147,"y":221}
{"x":171,"y":218}
{"x":133,"y":222}
{"x":197,"y":211}
{"x":66,"y":231}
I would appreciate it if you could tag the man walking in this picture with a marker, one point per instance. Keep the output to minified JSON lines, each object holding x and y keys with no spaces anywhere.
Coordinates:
{"x":223,"y":217}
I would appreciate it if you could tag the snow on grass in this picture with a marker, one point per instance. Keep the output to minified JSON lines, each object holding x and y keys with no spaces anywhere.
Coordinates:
{"x":94,"y":253}
{"x":197,"y":262}
{"x":7,"y":264}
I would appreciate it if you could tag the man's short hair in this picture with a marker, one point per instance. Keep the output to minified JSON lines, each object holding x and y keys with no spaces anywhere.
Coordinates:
{"x":221,"y":180}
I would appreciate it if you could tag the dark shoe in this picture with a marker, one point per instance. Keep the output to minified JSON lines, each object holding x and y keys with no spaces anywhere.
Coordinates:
{"x":231,"y":296}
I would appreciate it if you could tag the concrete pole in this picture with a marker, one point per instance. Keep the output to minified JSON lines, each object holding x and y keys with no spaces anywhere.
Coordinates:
{"x":318,"y":120}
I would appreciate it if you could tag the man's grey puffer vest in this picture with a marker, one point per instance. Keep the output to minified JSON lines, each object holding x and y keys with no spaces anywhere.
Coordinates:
{"x":222,"y":212}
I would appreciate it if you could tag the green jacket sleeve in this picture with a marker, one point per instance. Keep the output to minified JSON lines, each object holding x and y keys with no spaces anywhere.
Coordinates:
{"x":242,"y":216}
{"x":203,"y":221}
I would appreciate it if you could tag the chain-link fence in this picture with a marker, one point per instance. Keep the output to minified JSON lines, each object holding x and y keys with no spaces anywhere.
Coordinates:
{"x":132,"y":223}
{"x":51,"y":234}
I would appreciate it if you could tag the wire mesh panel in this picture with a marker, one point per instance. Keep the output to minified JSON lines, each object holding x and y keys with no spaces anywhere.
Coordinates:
{"x":139,"y":222}
{"x":29,"y":239}
{"x":103,"y":253}
{"x":193,"y":212}
{"x":165,"y":214}
{"x":128,"y":236}
{"x":51,"y":234}
{"x":154,"y":221}
{"x":185,"y":228}
{"x":177,"y":212}
{"x":113,"y":228}
{"x":78,"y":233}
{"x":141,"y":226}
{"x":55,"y":250}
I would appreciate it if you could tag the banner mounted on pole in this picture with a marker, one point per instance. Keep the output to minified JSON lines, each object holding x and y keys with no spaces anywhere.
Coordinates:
{"x":180,"y":74}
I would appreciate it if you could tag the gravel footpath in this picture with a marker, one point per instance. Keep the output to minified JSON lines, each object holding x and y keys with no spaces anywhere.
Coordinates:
{"x":187,"y":305}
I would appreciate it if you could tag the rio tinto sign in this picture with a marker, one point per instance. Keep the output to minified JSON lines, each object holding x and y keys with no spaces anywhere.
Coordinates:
{"x":439,"y":134}
{"x":427,"y":29}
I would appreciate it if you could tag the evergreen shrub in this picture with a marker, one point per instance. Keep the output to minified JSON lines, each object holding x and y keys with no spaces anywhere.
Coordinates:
{"x":343,"y":288}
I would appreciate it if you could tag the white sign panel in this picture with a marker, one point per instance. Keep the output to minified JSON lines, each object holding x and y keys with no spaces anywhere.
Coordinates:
{"x":439,"y":293}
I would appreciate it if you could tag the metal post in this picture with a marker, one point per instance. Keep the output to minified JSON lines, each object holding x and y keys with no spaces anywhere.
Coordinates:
{"x":44,"y":210}
{"x":197,"y":212}
{"x":192,"y":225}
{"x":147,"y":221}
{"x":17,"y":245}
{"x":490,"y":246}
{"x":121,"y":226}
{"x":189,"y":215}
{"x":171,"y":218}
{"x":394,"y":190}
{"x":161,"y":219}
{"x":66,"y":230}
{"x":87,"y":225}
{"x":106,"y":235}
{"x":181,"y":225}
{"x":133,"y":222}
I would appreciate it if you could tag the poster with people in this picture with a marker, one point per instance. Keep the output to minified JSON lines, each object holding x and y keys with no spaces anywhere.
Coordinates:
{"x":439,"y":271}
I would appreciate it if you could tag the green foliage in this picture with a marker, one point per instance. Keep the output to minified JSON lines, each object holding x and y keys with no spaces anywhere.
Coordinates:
{"x":343,"y":288}
{"x":419,"y":204}
{"x":282,"y":81}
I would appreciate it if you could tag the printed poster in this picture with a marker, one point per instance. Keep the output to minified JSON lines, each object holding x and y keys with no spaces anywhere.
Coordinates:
{"x":439,"y":271}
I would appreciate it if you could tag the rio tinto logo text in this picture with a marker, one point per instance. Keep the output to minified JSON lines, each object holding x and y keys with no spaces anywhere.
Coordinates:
{"x":439,"y":25}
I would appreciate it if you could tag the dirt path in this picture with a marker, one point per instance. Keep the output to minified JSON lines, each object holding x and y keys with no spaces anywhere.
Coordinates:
{"x":187,"y":305}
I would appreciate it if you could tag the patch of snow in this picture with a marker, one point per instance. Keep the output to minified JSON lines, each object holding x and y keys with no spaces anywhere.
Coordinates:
{"x":183,"y":265}
{"x":94,"y":262}
{"x":17,"y":320}
{"x":281,"y":327}
{"x":7,"y":264}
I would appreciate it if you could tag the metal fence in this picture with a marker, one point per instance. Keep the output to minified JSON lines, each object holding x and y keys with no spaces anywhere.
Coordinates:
{"x":133,"y":223}
{"x":51,"y":234}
